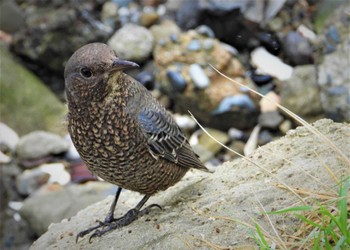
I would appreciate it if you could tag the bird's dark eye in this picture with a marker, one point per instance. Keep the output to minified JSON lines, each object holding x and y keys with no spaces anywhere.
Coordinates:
{"x":85,"y":72}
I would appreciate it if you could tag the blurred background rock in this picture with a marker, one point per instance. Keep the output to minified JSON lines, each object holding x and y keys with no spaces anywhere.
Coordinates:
{"x":294,"y":51}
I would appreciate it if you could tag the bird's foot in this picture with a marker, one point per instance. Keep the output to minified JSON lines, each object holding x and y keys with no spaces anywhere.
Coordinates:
{"x":106,"y":226}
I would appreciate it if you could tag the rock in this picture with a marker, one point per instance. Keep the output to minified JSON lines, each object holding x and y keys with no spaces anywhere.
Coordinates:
{"x":205,"y":146}
{"x":12,"y":17}
{"x":36,"y":106}
{"x":39,"y":144}
{"x":176,"y":80}
{"x":52,"y":206}
{"x":242,"y":101}
{"x":8,"y":138}
{"x":185,"y":122}
{"x":147,"y":79}
{"x":198,"y":76}
{"x":148,"y":18}
{"x":132,"y":42}
{"x":204,"y":208}
{"x":164,"y":30}
{"x":261,"y":12}
{"x":270,"y":119}
{"x":297,"y":48}
{"x":285,"y":126}
{"x":252,"y":142}
{"x":300,"y":93}
{"x":268,"y":103}
{"x":270,"y":64}
{"x":31,"y":180}
{"x":334,"y":81}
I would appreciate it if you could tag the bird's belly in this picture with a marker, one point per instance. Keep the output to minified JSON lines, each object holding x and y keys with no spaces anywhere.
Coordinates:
{"x":130,"y":166}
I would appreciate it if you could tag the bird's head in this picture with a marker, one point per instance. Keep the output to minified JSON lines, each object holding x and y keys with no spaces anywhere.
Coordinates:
{"x":88,"y":70}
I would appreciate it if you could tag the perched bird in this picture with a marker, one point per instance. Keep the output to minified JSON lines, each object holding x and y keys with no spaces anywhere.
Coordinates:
{"x":121,"y":131}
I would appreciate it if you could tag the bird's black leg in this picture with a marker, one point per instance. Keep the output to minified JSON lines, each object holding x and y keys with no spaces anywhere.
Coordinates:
{"x":109,"y":218}
{"x":128,"y":218}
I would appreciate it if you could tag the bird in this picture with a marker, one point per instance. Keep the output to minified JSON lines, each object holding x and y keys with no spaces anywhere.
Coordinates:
{"x":122,"y":132}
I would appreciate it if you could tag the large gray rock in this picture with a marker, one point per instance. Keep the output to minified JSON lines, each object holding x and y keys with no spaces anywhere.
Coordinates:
{"x":206,"y":208}
{"x":300,"y":93}
{"x":132,"y":42}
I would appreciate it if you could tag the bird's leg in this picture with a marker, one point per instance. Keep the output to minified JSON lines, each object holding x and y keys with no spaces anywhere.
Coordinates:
{"x":109,"y":218}
{"x":128,"y":218}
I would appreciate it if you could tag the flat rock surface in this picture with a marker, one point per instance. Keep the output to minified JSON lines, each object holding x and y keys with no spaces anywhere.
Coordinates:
{"x":205,"y":209}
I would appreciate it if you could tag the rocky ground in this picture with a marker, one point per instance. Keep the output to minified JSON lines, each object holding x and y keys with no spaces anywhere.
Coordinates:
{"x":206,"y":211}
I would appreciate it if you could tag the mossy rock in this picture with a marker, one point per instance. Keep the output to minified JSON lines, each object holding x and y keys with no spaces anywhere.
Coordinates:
{"x":26,"y":103}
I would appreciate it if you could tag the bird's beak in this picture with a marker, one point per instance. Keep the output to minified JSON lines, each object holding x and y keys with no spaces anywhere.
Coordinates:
{"x":119,"y":64}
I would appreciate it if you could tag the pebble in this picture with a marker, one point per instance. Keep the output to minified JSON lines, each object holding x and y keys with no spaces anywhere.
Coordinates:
{"x":270,"y":119}
{"x":205,"y":31}
{"x":270,"y":64}
{"x":235,"y":134}
{"x":270,"y":42}
{"x":198,"y":76}
{"x":174,"y":38}
{"x":285,"y":126}
{"x":177,"y":80}
{"x":333,"y":34}
{"x":184,"y":121}
{"x":260,"y":79}
{"x":252,"y":142}
{"x":194,"y":45}
{"x":268,"y":103}
{"x":307,"y":33}
{"x":297,"y":48}
{"x":242,"y":101}
{"x":208,"y":44}
{"x":146,"y":79}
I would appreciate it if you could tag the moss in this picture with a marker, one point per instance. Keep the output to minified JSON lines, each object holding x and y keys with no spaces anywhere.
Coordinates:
{"x":26,"y":103}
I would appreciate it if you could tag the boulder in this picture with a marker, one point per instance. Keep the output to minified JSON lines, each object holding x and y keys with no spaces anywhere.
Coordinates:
{"x":215,"y":209}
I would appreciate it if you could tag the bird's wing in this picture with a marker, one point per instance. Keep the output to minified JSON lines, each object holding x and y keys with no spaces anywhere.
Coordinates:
{"x":165,"y":139}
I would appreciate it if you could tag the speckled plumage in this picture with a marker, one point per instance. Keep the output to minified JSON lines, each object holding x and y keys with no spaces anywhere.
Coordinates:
{"x":120,"y":130}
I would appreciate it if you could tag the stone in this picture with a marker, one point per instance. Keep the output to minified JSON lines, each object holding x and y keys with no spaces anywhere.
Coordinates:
{"x":39,"y":144}
{"x":270,"y":119}
{"x":132,"y":42}
{"x":334,"y":81}
{"x":208,"y":143}
{"x":270,"y":64}
{"x":268,"y":103}
{"x":297,"y":48}
{"x":52,"y":206}
{"x":31,"y":180}
{"x":300,"y":93}
{"x":32,"y":106}
{"x":12,"y":16}
{"x":207,"y":208}
{"x":229,"y":102}
{"x":164,"y":30}
{"x":198,"y":76}
{"x":8,"y":138}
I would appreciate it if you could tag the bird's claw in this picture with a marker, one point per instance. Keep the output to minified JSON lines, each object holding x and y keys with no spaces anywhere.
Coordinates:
{"x":107,"y":226}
